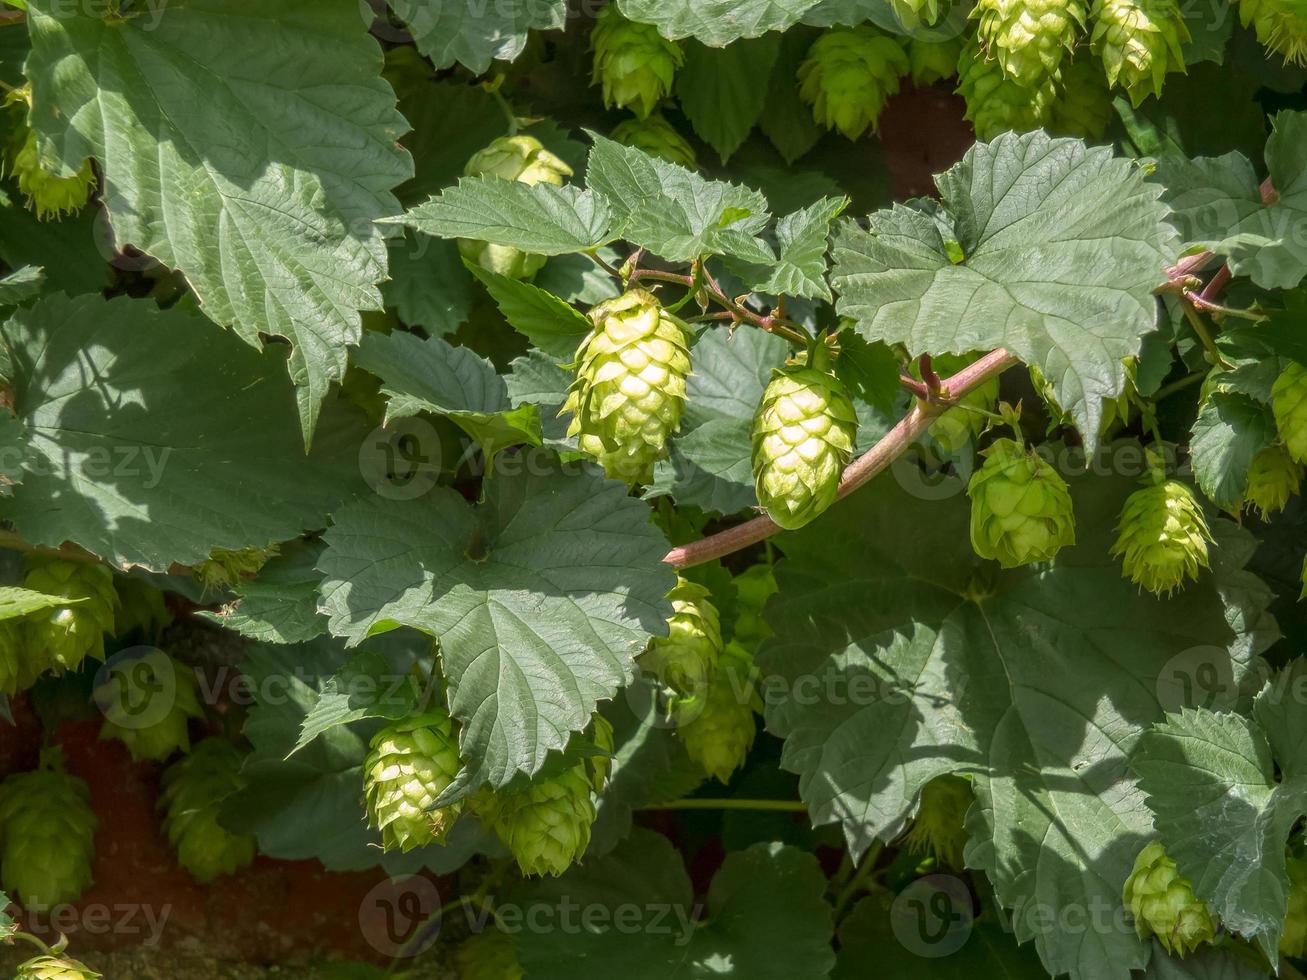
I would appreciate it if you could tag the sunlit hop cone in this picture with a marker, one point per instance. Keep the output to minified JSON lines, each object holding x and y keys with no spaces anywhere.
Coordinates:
{"x":933,"y":59}
{"x":1281,"y":26}
{"x":914,"y":13}
{"x":520,"y":158}
{"x":1162,"y":535}
{"x":721,"y":727}
{"x":411,"y":763}
{"x":47,"y":835}
{"x":148,"y":713}
{"x":227,"y":567}
{"x":995,"y":103}
{"x":194,"y":790}
{"x":938,"y":828}
{"x":657,"y":137}
{"x":803,"y":436}
{"x":849,"y":75}
{"x":1083,"y":107}
{"x":1140,"y":41}
{"x":629,"y":392}
{"x":1030,"y":39}
{"x":1273,"y":478}
{"x":546,"y":823}
{"x":687,"y":657}
{"x":19,"y":665}
{"x":1289,"y":402}
{"x":489,"y":955}
{"x":47,"y":193}
{"x":1020,"y":507}
{"x":633,"y":62}
{"x":55,"y":968}
{"x":1293,"y":940}
{"x":1164,"y":905}
{"x":65,"y":635}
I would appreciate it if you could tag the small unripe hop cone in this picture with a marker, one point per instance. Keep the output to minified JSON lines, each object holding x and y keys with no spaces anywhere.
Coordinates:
{"x":152,"y":730}
{"x":1029,"y":38}
{"x":193,"y":791}
{"x":1021,"y":508}
{"x":1139,"y":41}
{"x":1164,"y":905}
{"x":686,"y":659}
{"x":545,"y":824}
{"x":1281,"y":26}
{"x":1273,"y":478}
{"x":411,"y":763}
{"x":995,"y":102}
{"x":62,"y":637}
{"x":718,"y":729}
{"x":55,"y":968}
{"x":1163,"y":535}
{"x":633,"y":62}
{"x":657,"y":137}
{"x":849,"y":75}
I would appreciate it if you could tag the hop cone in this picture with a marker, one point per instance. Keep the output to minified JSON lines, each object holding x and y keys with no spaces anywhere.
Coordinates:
{"x":55,"y":968}
{"x":849,"y":75}
{"x":411,"y":763}
{"x":933,"y":59}
{"x":1281,"y":26}
{"x":520,"y":158}
{"x":995,"y":103}
{"x":656,"y":136}
{"x":1028,"y":38}
{"x":938,"y":827}
{"x":47,"y":835}
{"x":194,"y":789}
{"x":48,"y":194}
{"x":226,"y":567}
{"x":148,"y":713}
{"x":686,"y":658}
{"x":803,"y":435}
{"x":753,"y":587}
{"x":1020,"y":507}
{"x":1162,"y":536}
{"x":1139,"y":42}
{"x":489,"y":955}
{"x":1083,"y":108}
{"x":914,"y":13}
{"x":1289,"y":403}
{"x":721,"y":728}
{"x":545,"y":824}
{"x":961,"y":425}
{"x":629,"y":391}
{"x":1164,"y":905}
{"x":140,"y":606}
{"x":19,"y":668}
{"x":65,"y":635}
{"x":1273,"y":478}
{"x":634,"y":63}
{"x":1293,"y":940}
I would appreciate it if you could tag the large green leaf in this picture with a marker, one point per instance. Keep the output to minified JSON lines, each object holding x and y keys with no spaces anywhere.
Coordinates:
{"x":255,"y":172}
{"x":154,"y":437}
{"x":280,"y":605}
{"x":802,"y":240}
{"x":541,"y":598}
{"x":1047,"y":247}
{"x":15,"y":602}
{"x":1230,"y":430}
{"x":475,"y":32}
{"x":718,"y":90}
{"x":900,"y":656}
{"x":429,"y":286}
{"x":716,"y":22}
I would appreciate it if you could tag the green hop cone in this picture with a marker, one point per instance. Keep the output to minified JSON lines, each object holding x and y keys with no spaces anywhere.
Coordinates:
{"x":938,"y":828}
{"x":140,"y":606}
{"x":629,"y":392}
{"x":753,"y":587}
{"x":65,"y":635}
{"x":718,"y":730}
{"x":1289,"y":404}
{"x":489,"y":955}
{"x":194,"y":789}
{"x":1162,"y":536}
{"x":410,"y":764}
{"x":657,"y":137}
{"x":915,"y":13}
{"x":1281,"y":26}
{"x":520,"y":158}
{"x":55,"y":968}
{"x":803,"y":436}
{"x":228,"y":567}
{"x":1020,"y":507}
{"x":148,"y":706}
{"x":1083,"y":107}
{"x":686,"y":658}
{"x":849,"y":75}
{"x":1273,"y":478}
{"x":1028,"y":38}
{"x":1293,"y":940}
{"x":995,"y":103}
{"x":19,"y":668}
{"x":1164,"y":905}
{"x":47,"y":835}
{"x":933,"y":59}
{"x":633,"y":62}
{"x":1140,"y":41}
{"x":546,"y":823}
{"x":47,"y":193}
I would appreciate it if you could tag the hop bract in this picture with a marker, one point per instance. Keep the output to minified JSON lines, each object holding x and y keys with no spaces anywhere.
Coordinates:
{"x":489,"y":955}
{"x":720,"y":729}
{"x":635,"y":64}
{"x":1139,"y":42}
{"x":193,"y":791}
{"x":411,"y":763}
{"x":687,"y":657}
{"x":629,"y":392}
{"x":1289,"y":403}
{"x":657,"y":137}
{"x":849,"y":75}
{"x":148,"y":713}
{"x":1162,"y":537}
{"x":64,"y":635}
{"x":1164,"y":905}
{"x":803,"y":436}
{"x":1273,"y":478}
{"x":1029,"y":38}
{"x":47,"y":835}
{"x":996,"y":103}
{"x":939,"y":826}
{"x":227,"y":567}
{"x":520,"y":158}
{"x":1281,"y":25}
{"x":1021,"y":508}
{"x":546,"y":823}
{"x":1293,"y":940}
{"x":55,"y":968}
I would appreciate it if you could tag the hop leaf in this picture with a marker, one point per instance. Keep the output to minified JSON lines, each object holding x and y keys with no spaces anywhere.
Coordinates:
{"x":1273,"y":478}
{"x":411,"y":763}
{"x":933,"y":59}
{"x":938,"y":828}
{"x":1139,"y":42}
{"x":489,"y":955}
{"x":629,"y":392}
{"x":686,"y":659}
{"x":1289,"y":404}
{"x":1083,"y":107}
{"x":47,"y":835}
{"x":523,"y":159}
{"x":1164,"y":905}
{"x":1293,"y":940}
{"x":718,"y":731}
{"x":55,"y":968}
{"x":131,"y":698}
{"x":546,"y":823}
{"x":996,"y":103}
{"x":635,"y":64}
{"x":803,"y":436}
{"x":849,"y":75}
{"x":1281,"y":26}
{"x":1028,"y":38}
{"x":657,"y":137}
{"x":226,"y":567}
{"x":1162,"y":536}
{"x":1020,"y":507}
{"x":65,"y":635}
{"x":194,"y":789}
{"x":20,"y":663}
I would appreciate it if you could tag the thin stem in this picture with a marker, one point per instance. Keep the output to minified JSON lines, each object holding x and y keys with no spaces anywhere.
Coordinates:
{"x":1180,"y":384}
{"x":594,"y":257}
{"x":1204,"y":334}
{"x":774,"y":806}
{"x":918,"y":388}
{"x":659,"y":276}
{"x":865,"y":870}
